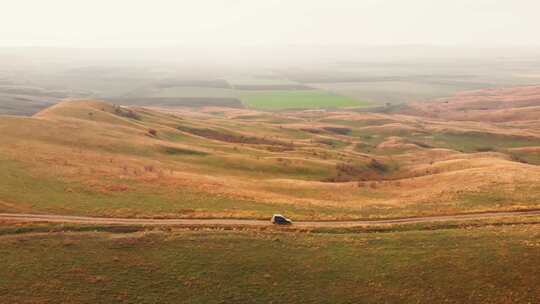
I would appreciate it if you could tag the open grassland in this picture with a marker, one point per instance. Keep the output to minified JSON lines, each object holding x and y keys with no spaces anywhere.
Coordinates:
{"x":121,"y":197}
{"x":297,"y":99}
{"x":94,"y":158}
{"x":24,"y":86}
{"x":269,"y":94}
{"x":520,"y":103}
{"x":493,"y":264}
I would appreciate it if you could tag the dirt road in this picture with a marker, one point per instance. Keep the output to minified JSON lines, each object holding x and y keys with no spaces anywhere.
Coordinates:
{"x":239,"y":222}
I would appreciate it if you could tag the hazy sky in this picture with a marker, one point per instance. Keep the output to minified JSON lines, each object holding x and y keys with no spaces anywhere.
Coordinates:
{"x":126,"y":23}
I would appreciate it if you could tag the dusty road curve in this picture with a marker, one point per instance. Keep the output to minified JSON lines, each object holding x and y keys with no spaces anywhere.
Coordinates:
{"x":238,"y":222}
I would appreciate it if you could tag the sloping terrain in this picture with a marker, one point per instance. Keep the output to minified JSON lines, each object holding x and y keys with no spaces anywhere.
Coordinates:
{"x":521,"y":103}
{"x":95,"y":158}
{"x":515,"y":108}
{"x":497,"y":264}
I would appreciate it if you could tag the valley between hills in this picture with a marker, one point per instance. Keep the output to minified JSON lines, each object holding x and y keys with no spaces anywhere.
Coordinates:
{"x":475,"y":152}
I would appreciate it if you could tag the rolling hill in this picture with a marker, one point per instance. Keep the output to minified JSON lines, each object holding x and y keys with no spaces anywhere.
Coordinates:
{"x":87,"y":157}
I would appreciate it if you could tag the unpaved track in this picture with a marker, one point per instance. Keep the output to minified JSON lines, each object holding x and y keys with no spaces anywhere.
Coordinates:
{"x":21,"y":217}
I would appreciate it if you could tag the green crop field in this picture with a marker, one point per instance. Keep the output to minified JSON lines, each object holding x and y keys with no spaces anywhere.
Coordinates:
{"x":301,"y":99}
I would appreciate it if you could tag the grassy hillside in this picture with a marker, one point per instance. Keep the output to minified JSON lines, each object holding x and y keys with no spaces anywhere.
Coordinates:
{"x":95,"y":158}
{"x":476,"y":265}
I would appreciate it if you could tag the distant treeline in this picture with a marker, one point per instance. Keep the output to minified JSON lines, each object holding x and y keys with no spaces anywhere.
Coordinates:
{"x":181,"y":101}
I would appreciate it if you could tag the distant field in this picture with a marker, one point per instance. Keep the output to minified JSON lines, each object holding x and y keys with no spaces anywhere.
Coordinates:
{"x":212,"y":83}
{"x":254,"y":80}
{"x":187,"y":91}
{"x":309,"y":99}
{"x":15,"y":104}
{"x":181,"y":101}
{"x":473,"y":265}
{"x":391,"y":91}
{"x":272,"y":87}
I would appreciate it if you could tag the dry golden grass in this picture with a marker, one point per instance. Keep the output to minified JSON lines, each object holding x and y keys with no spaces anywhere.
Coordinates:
{"x":102,"y":149}
{"x":489,"y":105}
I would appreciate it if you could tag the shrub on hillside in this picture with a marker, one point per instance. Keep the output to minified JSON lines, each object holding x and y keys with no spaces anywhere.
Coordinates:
{"x":152,"y":132}
{"x":125,"y":112}
{"x":338,"y":130}
{"x":485,"y":149}
{"x":517,"y":158}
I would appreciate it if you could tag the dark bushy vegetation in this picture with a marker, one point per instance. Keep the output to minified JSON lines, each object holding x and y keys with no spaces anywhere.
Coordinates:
{"x":348,"y":172}
{"x":127,"y":113}
{"x":338,"y":130}
{"x":194,"y":102}
{"x":312,"y":130}
{"x":232,"y":138}
{"x":517,"y":158}
{"x":420,"y":144}
{"x":181,"y":151}
{"x":485,"y":149}
{"x":378,"y":166}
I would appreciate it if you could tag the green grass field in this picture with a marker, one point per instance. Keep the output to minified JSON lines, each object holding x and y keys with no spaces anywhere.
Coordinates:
{"x":474,"y":265}
{"x":309,"y":99}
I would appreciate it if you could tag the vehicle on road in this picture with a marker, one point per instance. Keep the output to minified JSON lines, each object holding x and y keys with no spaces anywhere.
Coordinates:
{"x":279,"y":219}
